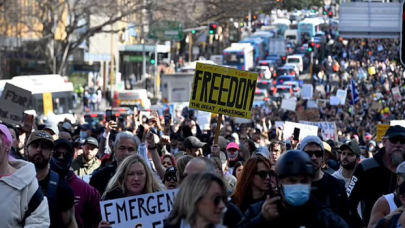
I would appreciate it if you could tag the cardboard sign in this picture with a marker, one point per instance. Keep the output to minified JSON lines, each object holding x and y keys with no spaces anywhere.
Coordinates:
{"x":342,"y":94}
{"x":146,"y":211}
{"x":288,"y":104}
{"x":329,"y":130}
{"x":14,"y":101}
{"x":223,"y":90}
{"x":334,"y":100}
{"x":204,"y":120}
{"x":307,"y":91}
{"x":381,"y":129}
{"x":396,"y":94}
{"x":305,"y":130}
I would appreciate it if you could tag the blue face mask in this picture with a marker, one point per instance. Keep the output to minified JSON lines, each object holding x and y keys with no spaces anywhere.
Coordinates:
{"x":83,"y":134}
{"x":297,"y":194}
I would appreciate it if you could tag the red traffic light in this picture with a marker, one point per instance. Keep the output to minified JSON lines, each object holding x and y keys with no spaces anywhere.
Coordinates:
{"x":330,"y":13}
{"x":312,"y":44}
{"x":214,"y":26}
{"x":318,"y":46}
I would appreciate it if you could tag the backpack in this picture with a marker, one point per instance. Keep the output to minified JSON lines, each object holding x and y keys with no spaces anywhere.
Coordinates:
{"x":33,"y":204}
{"x":52,"y":198}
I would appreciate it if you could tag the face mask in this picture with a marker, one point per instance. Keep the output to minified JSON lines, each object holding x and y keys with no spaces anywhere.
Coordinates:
{"x":83,"y":135}
{"x":61,"y":166}
{"x":297,"y":194}
{"x":370,"y":149}
{"x":232,"y":156}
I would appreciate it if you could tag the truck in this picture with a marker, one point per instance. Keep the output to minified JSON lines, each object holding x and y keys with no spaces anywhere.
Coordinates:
{"x":176,"y":88}
{"x":277,"y":47}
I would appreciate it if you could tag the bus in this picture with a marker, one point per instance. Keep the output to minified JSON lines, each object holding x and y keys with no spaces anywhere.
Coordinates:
{"x":308,"y":28}
{"x":259,"y":48}
{"x":239,"y":56}
{"x":266,"y":36}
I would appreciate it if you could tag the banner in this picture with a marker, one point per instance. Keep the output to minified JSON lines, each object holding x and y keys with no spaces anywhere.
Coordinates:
{"x":289,"y":105}
{"x":396,"y":94}
{"x":146,"y":211}
{"x":328,"y":129}
{"x":307,"y":91}
{"x":223,"y":90}
{"x":305,"y":130}
{"x":381,"y":129}
{"x":14,"y":101}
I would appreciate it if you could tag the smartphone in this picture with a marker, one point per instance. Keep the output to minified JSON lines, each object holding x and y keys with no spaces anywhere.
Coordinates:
{"x":140,"y":131}
{"x":109,"y":115}
{"x":28,"y":121}
{"x":167,"y":120}
{"x":296,"y":134}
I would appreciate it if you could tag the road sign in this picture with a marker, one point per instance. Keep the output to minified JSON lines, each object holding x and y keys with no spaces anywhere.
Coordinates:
{"x":166,"y":30}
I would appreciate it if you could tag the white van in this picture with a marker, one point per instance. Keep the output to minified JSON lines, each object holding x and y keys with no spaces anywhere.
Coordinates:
{"x":291,"y":34}
{"x":297,"y":60}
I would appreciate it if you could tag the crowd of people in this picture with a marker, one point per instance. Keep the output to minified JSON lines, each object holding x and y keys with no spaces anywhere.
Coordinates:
{"x":57,"y":174}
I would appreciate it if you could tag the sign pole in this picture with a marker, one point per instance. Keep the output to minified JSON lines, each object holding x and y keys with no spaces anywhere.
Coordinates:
{"x":218,"y":130}
{"x":190,"y":47}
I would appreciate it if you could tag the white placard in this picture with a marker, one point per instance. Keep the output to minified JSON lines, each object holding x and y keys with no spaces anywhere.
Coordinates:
{"x":204,"y":120}
{"x":329,"y":130}
{"x":305,"y":130}
{"x":397,"y":122}
{"x":312,"y":104}
{"x":334,"y":100}
{"x":146,"y":211}
{"x":307,"y":91}
{"x":14,"y":101}
{"x":288,"y":104}
{"x":342,"y":94}
{"x":396,"y":94}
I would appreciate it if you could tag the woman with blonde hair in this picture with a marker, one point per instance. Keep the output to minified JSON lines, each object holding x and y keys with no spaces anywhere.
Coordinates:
{"x":200,"y":202}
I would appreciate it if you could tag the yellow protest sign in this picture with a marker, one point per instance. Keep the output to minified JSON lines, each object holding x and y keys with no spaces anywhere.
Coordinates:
{"x":381,"y":129}
{"x":48,"y":103}
{"x":223,"y":90}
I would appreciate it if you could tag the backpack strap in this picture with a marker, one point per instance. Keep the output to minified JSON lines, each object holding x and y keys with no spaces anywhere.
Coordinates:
{"x":53,"y":184}
{"x":33,"y":204}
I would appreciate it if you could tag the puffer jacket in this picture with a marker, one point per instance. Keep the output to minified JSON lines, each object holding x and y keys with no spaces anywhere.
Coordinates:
{"x":310,"y":215}
{"x":16,"y":192}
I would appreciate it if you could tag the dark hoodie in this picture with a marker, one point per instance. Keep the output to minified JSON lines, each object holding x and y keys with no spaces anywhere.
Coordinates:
{"x":370,"y":180}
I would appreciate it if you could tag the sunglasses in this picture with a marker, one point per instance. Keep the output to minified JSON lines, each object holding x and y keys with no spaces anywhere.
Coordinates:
{"x":217,"y":200}
{"x":57,"y":154}
{"x":171,"y":178}
{"x":263,"y":174}
{"x":317,"y":153}
{"x":395,"y":140}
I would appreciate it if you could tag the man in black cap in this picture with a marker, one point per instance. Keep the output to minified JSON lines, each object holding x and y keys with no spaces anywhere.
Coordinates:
{"x":86,"y":163}
{"x":350,"y":156}
{"x":376,"y":176}
{"x":193,"y":146}
{"x":170,"y":178}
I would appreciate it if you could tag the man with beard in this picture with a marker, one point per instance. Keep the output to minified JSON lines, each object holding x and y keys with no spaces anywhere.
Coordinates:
{"x":86,"y":163}
{"x":60,"y":196}
{"x":376,"y":176}
{"x":87,"y":199}
{"x":350,"y":156}
{"x":326,"y":189}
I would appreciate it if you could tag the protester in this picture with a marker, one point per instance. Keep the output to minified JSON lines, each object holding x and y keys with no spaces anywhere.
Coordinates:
{"x":86,"y":163}
{"x":40,"y":146}
{"x":18,"y":183}
{"x":392,"y":220}
{"x":294,"y":207}
{"x":201,"y":202}
{"x":237,"y":171}
{"x":170,"y":178}
{"x":66,"y":135}
{"x":181,"y":166}
{"x":168,"y":161}
{"x":326,"y":189}
{"x":254,"y":183}
{"x":376,"y":176}
{"x":52,"y":129}
{"x":193,"y":146}
{"x":276,"y":148}
{"x":350,"y":156}
{"x":87,"y":199}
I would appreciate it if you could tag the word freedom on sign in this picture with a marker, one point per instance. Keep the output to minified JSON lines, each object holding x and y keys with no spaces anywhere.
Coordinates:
{"x":223,"y":90}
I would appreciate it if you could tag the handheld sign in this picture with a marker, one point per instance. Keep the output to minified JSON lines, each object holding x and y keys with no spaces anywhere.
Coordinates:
{"x":146,"y":211}
{"x":223,"y":90}
{"x":14,"y":101}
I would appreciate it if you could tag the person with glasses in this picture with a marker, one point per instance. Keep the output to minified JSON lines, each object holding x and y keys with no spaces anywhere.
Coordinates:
{"x":87,"y":199}
{"x":326,"y":189}
{"x":375,"y":176}
{"x":293,"y":205}
{"x":200,"y":202}
{"x":254,"y":182}
{"x":170,"y":178}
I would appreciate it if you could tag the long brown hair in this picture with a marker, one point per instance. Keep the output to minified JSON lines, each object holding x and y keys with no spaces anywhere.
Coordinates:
{"x":243,"y":192}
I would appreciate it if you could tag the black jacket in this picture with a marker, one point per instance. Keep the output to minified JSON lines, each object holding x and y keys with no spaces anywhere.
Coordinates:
{"x":310,"y":215}
{"x":99,"y":179}
{"x":370,"y":180}
{"x":231,"y":218}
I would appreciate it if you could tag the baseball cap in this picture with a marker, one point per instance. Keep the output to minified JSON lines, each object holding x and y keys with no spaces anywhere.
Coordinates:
{"x":401,"y":169}
{"x":372,"y":142}
{"x":67,"y":126}
{"x":192,"y":142}
{"x":232,"y":145}
{"x":394,"y":131}
{"x":170,"y":172}
{"x":4,"y":130}
{"x":40,"y":135}
{"x":263,"y":151}
{"x":64,"y":143}
{"x":367,"y":136}
{"x":353,"y":146}
{"x":311,"y":139}
{"x":91,"y":141}
{"x":53,"y":127}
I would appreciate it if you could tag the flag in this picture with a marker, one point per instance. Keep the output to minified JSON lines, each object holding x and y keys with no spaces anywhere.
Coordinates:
{"x":355,"y":93}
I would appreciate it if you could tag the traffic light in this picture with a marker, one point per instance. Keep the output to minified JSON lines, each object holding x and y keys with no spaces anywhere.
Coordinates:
{"x":152,"y":61}
{"x":254,"y":17}
{"x":213,"y":28}
{"x":318,"y":46}
{"x":193,"y":32}
{"x":330,"y":14}
{"x":324,"y":12}
{"x":311,"y":46}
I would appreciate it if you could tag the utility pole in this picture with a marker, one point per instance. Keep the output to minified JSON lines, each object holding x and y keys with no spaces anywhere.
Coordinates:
{"x":190,"y":47}
{"x":112,"y":64}
{"x":250,"y":21}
